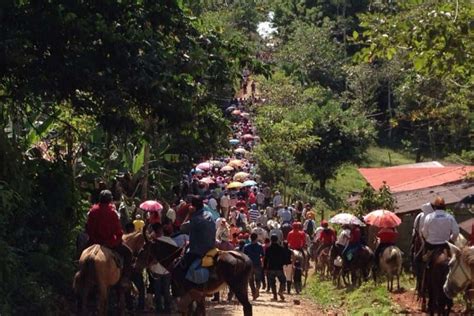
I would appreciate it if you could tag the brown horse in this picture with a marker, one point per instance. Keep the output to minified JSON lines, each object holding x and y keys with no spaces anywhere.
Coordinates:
{"x":461,"y":275}
{"x":323,"y":264}
{"x":390,"y":262}
{"x":98,"y":269}
{"x":435,"y":277}
{"x":231,"y":267}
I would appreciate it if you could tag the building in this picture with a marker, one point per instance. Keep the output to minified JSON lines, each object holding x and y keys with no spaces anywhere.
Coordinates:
{"x":415,"y":184}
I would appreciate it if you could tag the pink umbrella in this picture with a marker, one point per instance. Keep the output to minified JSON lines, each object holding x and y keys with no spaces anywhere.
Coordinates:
{"x":204,"y":166}
{"x":207,"y":180}
{"x":236,"y":112}
{"x":248,"y":137}
{"x":382,"y":218}
{"x":151,"y":206}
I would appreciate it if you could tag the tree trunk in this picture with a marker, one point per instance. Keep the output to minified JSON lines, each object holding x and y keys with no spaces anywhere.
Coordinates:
{"x":322,"y":184}
{"x":146,"y":162}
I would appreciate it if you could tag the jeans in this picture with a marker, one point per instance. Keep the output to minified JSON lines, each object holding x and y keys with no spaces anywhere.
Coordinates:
{"x":256,"y":279}
{"x":162,"y":286}
{"x":272,"y":276}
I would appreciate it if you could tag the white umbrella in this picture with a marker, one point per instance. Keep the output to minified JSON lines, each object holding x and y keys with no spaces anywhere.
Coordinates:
{"x":345,"y":219}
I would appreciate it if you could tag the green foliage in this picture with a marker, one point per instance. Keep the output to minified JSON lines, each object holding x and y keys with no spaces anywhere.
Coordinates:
{"x":433,"y":87}
{"x":371,"y":200}
{"x":313,"y":56}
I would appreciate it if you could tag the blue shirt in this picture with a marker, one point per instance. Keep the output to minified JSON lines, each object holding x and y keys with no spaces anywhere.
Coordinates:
{"x":255,"y":253}
{"x":202,"y":232}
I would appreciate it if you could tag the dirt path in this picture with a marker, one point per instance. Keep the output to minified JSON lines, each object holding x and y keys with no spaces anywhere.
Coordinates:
{"x":409,"y":305}
{"x":264,"y":306}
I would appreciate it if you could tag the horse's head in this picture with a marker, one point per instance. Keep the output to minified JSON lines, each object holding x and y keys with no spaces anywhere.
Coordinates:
{"x":459,"y":276}
{"x":156,"y":251}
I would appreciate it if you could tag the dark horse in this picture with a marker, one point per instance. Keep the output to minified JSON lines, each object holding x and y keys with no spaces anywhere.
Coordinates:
{"x":230,"y":267}
{"x":435,"y":277}
{"x":359,"y":267}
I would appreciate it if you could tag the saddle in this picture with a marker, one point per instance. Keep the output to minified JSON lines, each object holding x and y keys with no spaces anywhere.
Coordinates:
{"x":209,"y":258}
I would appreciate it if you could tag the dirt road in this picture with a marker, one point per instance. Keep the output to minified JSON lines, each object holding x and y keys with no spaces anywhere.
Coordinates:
{"x":264,"y":306}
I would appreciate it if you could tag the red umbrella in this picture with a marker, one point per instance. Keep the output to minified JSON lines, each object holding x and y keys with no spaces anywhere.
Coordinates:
{"x":382,"y":218}
{"x":151,"y":206}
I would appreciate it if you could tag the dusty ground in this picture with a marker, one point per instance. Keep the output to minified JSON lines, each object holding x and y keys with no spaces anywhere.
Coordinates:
{"x":409,"y":305}
{"x":265,"y":307}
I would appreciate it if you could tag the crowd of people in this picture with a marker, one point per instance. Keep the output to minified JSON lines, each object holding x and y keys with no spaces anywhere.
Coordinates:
{"x":222,"y":203}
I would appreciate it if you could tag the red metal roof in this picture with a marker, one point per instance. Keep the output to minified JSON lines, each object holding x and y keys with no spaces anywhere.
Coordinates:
{"x":404,"y":179}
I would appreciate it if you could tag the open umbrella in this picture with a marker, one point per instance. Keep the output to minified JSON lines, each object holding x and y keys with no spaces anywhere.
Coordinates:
{"x":235,"y":185}
{"x":234,"y":141}
{"x":207,"y":180}
{"x":382,"y":218}
{"x":250,"y":183}
{"x":245,"y":114}
{"x":236,"y":112}
{"x":227,"y":168}
{"x":240,"y":150}
{"x":247,"y":136}
{"x":151,"y":206}
{"x":240,"y":176}
{"x":230,"y":108}
{"x":217,"y":163}
{"x":345,"y":219}
{"x":204,"y":166}
{"x":236,"y":163}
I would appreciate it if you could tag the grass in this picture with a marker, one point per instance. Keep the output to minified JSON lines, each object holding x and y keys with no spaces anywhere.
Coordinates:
{"x":369,"y":299}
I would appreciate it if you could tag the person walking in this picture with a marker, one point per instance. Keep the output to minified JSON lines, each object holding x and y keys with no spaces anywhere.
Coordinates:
{"x":225,"y":205}
{"x":254,"y":251}
{"x":273,"y":265}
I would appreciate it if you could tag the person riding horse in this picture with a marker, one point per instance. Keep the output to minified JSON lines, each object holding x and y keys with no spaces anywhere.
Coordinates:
{"x":354,"y":244}
{"x":326,"y":239}
{"x":439,"y":227}
{"x":103,"y":227}
{"x":387,"y":237}
{"x":297,"y":239}
{"x":202,"y":234}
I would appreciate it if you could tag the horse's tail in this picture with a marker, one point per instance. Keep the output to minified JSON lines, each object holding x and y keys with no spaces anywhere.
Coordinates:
{"x":86,"y":274}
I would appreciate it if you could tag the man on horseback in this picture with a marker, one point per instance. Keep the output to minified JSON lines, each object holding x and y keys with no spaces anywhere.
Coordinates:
{"x":439,"y":227}
{"x":387,"y":237}
{"x":297,"y":239}
{"x":202,"y":233}
{"x":353,"y":245}
{"x":103,"y":227}
{"x":326,"y":238}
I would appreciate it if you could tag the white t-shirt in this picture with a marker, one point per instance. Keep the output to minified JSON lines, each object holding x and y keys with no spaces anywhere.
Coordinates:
{"x":344,"y":237}
{"x":439,"y":227}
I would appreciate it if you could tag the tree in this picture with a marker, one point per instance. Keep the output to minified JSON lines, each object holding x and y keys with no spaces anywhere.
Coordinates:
{"x":313,"y":56}
{"x":433,"y":93}
{"x":344,"y":136}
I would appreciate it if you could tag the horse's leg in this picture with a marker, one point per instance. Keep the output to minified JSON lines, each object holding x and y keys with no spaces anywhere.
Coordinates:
{"x":398,"y":281}
{"x":201,"y":306}
{"x":242,"y":295}
{"x":103,"y":292}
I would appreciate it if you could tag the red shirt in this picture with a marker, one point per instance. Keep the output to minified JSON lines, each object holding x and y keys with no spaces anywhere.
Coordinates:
{"x":387,"y":236}
{"x":327,"y":236}
{"x":241,"y":204}
{"x":103,"y":226}
{"x":355,"y":235}
{"x":252,"y":198}
{"x":296,"y":239}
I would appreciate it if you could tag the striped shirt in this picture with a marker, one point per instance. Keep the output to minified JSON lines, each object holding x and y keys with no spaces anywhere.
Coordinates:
{"x":253,"y":215}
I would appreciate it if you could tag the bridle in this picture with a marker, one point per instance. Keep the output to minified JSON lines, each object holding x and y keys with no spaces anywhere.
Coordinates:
{"x":466,"y":274}
{"x":173,"y":254}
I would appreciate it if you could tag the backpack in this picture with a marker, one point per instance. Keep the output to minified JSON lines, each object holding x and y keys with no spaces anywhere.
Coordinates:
{"x":310,"y":228}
